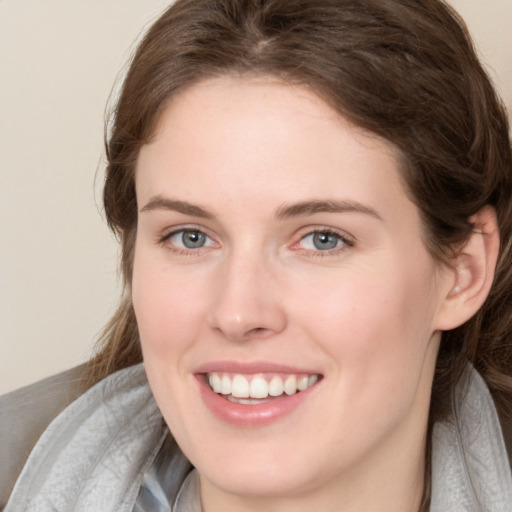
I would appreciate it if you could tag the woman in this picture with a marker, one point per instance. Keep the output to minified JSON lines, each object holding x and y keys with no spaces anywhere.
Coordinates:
{"x":310,"y":197}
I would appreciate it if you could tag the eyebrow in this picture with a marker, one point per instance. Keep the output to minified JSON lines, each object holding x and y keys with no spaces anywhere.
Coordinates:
{"x":164,"y":203}
{"x":305,"y":208}
{"x":301,"y":209}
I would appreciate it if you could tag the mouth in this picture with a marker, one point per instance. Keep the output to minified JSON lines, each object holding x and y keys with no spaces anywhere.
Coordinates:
{"x":256,"y":395}
{"x":260,"y":388}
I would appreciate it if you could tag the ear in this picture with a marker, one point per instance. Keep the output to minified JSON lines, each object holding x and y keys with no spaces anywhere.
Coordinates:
{"x":470,"y":277}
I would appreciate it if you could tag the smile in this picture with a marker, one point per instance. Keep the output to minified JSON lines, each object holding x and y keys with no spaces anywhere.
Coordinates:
{"x":255,"y":395}
{"x":254,"y":389}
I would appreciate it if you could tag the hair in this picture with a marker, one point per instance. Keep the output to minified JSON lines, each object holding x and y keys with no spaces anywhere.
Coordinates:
{"x":405,"y":70}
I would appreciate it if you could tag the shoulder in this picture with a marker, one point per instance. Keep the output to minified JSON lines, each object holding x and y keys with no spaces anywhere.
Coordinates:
{"x":506,"y":427}
{"x":470,"y":466}
{"x":95,"y":452}
{"x":24,"y":416}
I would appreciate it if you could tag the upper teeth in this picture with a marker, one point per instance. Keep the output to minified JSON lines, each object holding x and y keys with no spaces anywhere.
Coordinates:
{"x":243,"y":386}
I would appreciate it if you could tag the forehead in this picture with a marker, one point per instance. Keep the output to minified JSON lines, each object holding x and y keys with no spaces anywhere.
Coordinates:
{"x":258,"y":135}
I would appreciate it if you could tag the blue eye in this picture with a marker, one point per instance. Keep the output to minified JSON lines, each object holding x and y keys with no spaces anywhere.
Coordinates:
{"x":323,"y":241}
{"x":190,"y":239}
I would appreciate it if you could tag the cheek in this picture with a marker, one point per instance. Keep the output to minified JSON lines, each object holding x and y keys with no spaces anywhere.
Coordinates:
{"x":377,"y":331}
{"x":166,"y":309}
{"x":167,"y":318}
{"x":373,"y":322}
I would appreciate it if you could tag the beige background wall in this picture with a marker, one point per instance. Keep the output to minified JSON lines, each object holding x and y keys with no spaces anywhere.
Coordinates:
{"x":58,"y":61}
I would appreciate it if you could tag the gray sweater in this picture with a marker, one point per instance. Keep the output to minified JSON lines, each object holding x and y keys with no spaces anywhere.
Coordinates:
{"x":110,"y":451}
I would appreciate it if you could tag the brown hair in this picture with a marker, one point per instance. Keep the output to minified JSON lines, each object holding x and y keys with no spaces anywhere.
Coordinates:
{"x":403,"y":69}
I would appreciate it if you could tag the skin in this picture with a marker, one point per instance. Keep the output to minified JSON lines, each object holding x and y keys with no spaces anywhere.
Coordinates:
{"x":365,"y":315}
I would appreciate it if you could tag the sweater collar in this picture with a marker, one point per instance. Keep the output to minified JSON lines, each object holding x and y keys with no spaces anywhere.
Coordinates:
{"x":110,"y":451}
{"x":470,"y":467}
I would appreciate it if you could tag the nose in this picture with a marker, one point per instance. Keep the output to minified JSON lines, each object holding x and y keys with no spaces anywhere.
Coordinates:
{"x":247,"y":302}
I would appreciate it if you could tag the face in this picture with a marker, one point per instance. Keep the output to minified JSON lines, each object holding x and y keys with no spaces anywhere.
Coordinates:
{"x":286,"y":303}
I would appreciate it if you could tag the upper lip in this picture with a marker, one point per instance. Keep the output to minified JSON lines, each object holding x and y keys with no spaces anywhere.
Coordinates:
{"x":251,"y":368}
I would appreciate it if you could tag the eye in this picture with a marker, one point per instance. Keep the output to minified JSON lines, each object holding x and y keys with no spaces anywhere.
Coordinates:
{"x":188,"y":239}
{"x":324,"y":241}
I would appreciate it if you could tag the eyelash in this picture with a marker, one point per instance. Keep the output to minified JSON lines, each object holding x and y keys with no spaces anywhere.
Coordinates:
{"x":346,"y":242}
{"x":164,"y":241}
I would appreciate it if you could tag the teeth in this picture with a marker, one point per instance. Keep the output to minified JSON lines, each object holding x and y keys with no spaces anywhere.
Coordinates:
{"x":302,"y":383}
{"x":312,"y":380}
{"x":215,"y":382}
{"x":239,"y":387}
{"x":276,"y":387}
{"x":258,"y":387}
{"x":225,"y":385}
{"x":290,"y":385}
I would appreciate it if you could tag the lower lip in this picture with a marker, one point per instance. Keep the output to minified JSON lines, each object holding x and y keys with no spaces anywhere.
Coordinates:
{"x":254,"y":415}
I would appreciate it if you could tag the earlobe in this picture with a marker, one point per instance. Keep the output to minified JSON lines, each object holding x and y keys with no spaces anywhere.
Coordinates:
{"x":471,"y":276}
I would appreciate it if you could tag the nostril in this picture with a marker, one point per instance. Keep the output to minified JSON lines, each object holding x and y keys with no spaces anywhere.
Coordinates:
{"x":257,"y":332}
{"x":242,"y":321}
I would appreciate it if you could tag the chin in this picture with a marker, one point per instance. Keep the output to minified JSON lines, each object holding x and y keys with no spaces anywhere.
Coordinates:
{"x":259,"y":480}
